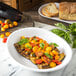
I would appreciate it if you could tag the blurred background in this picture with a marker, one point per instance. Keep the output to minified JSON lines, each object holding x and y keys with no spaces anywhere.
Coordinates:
{"x":23,"y":4}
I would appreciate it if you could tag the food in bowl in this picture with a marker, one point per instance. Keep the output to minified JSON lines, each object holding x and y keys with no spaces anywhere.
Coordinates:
{"x":44,"y":55}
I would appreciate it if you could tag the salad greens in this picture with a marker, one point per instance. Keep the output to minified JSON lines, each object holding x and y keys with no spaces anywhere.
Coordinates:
{"x":23,"y":41}
{"x":66,"y":32}
{"x":55,"y":45}
{"x":42,"y":45}
{"x":49,"y":56}
{"x":28,"y":46}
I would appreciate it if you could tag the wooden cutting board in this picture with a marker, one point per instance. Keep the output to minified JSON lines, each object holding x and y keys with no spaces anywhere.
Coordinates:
{"x":26,"y":22}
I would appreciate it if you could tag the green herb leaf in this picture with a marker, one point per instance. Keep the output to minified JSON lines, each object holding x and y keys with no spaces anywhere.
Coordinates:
{"x":58,"y":32}
{"x":72,"y":28}
{"x":42,"y":45}
{"x":28,"y":46}
{"x":74,"y":42}
{"x":49,"y":56}
{"x":61,"y":26}
{"x":23,"y":41}
{"x":67,"y":37}
{"x":55,"y":45}
{"x":35,"y":39}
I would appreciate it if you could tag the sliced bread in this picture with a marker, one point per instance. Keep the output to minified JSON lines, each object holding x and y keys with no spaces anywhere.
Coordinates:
{"x":50,"y":10}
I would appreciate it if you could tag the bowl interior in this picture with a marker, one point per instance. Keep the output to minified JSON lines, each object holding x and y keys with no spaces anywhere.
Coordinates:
{"x":46,"y":35}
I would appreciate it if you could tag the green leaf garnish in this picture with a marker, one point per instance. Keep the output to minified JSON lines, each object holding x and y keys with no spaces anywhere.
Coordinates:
{"x":23,"y":41}
{"x":55,"y":45}
{"x":58,"y":32}
{"x":42,"y":45}
{"x":68,"y":33}
{"x":61,"y":26}
{"x":72,"y":28}
{"x":49,"y":56}
{"x":28,"y":46}
{"x":74,"y":42}
{"x":35,"y":39}
{"x":67,"y":37}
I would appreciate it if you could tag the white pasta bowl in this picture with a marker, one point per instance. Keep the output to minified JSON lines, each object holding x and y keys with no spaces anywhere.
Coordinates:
{"x":44,"y":34}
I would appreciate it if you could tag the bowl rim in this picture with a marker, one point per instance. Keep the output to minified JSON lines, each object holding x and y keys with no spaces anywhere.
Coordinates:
{"x":33,"y":69}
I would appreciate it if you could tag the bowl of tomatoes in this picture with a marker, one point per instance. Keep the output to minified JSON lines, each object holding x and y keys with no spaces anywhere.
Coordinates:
{"x":38,"y":50}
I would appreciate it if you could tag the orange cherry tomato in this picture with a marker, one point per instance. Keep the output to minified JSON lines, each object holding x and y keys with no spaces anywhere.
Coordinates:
{"x":38,"y":61}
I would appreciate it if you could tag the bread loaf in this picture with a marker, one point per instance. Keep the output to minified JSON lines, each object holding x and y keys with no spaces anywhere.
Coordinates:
{"x":67,"y":10}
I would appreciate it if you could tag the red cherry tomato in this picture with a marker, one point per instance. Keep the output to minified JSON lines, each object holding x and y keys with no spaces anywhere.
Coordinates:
{"x":38,"y":61}
{"x":3,"y":24}
{"x":4,"y":40}
{"x":37,"y":38}
{"x":27,"y":49}
{"x":57,"y":62}
{"x":32,"y":44}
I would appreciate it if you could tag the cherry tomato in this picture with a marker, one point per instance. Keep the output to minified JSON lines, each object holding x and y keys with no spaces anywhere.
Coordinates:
{"x":27,"y":49}
{"x":4,"y":40}
{"x":32,"y":44}
{"x":38,"y":61}
{"x":3,"y":24}
{"x":0,"y":22}
{"x":37,"y":38}
{"x":59,"y":63}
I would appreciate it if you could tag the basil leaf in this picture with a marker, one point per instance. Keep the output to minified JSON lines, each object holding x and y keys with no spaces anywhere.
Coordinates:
{"x":58,"y":32}
{"x":23,"y":41}
{"x":42,"y":45}
{"x":67,"y":37}
{"x":49,"y":56}
{"x":74,"y":42}
{"x":72,"y":27}
{"x":61,"y":26}
{"x":35,"y":39}
{"x":55,"y":45}
{"x":28,"y":46}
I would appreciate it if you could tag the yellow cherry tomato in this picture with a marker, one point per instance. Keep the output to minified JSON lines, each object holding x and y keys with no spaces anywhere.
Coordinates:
{"x":30,"y":39}
{"x":48,"y":48}
{"x":2,"y":29}
{"x":35,"y":48}
{"x":10,"y":25}
{"x":0,"y":22}
{"x":39,"y":48}
{"x":51,"y":54}
{"x":55,"y":52}
{"x":22,"y":37}
{"x":36,"y":42}
{"x":6,"y":26}
{"x":52,"y":64}
{"x":7,"y":34}
{"x":47,"y":51}
{"x":56,"y":57}
{"x":2,"y":35}
{"x":43,"y":51}
{"x":15,"y":23}
{"x":40,"y":41}
{"x":33,"y":41}
{"x":27,"y":44}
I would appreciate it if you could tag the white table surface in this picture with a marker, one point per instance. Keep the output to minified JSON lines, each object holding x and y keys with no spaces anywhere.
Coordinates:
{"x":9,"y":68}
